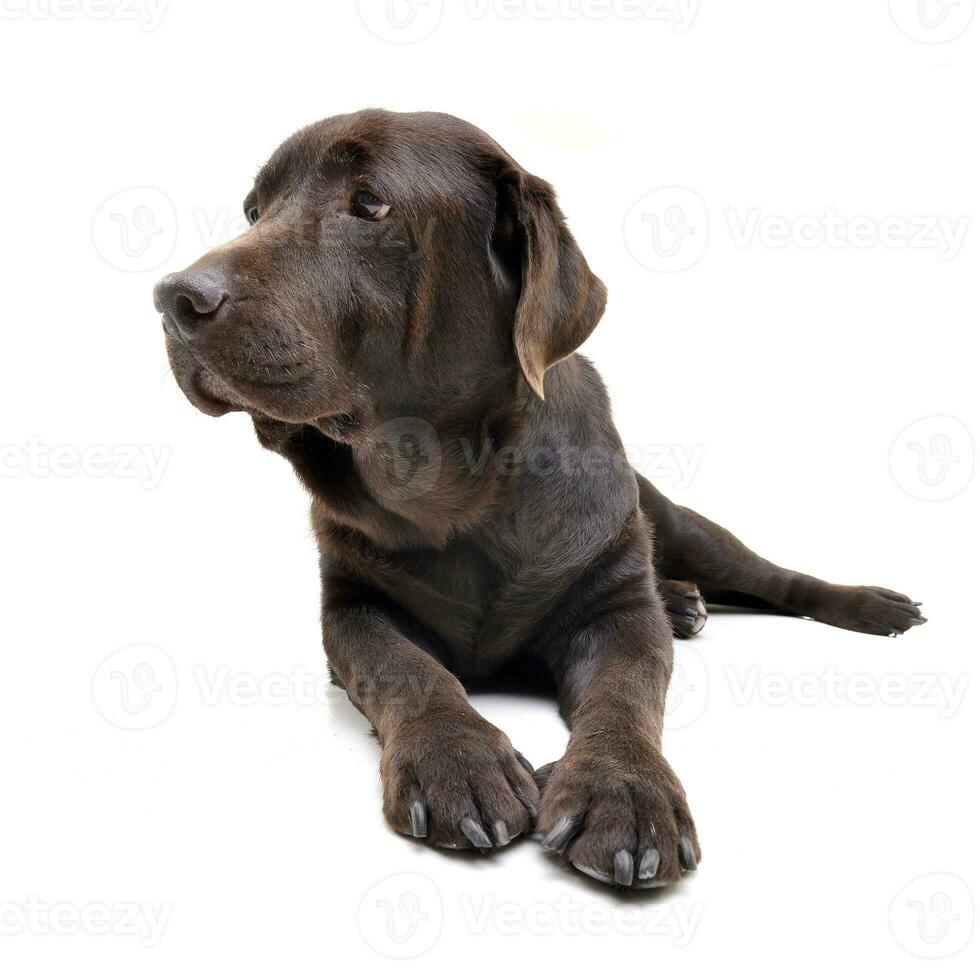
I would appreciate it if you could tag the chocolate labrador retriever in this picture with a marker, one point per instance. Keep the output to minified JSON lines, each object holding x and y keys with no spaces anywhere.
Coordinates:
{"x":400,"y":322}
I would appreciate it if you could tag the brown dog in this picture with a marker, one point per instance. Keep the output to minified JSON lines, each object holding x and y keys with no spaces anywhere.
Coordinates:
{"x":400,"y":322}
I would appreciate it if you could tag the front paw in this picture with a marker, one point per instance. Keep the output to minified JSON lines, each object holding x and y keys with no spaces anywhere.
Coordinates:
{"x":455,"y":780}
{"x":619,"y":817}
{"x":685,"y":607}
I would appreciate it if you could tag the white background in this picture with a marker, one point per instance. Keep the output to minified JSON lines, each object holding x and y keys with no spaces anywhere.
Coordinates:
{"x":240,"y":811}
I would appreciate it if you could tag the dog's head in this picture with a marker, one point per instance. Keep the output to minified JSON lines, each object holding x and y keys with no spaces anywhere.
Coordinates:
{"x":395,"y":264}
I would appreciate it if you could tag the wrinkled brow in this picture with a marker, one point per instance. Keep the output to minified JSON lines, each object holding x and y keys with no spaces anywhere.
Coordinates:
{"x":291,"y":164}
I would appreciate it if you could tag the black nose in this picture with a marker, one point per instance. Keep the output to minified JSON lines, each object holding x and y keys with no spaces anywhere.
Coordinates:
{"x":189,"y":299}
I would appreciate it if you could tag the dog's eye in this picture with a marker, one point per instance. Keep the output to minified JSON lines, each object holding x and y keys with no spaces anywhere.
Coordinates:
{"x":367,"y":206}
{"x":252,"y":214}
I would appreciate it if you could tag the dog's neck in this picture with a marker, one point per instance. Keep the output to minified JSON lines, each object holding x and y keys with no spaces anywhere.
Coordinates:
{"x":405,"y":482}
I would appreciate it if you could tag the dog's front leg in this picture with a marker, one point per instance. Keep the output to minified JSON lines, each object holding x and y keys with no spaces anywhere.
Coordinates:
{"x":449,"y":776}
{"x":612,"y":805}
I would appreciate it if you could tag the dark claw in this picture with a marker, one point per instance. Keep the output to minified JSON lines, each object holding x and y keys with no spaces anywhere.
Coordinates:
{"x":559,"y":835}
{"x":623,"y":868}
{"x":692,"y":595}
{"x":501,"y":834}
{"x":689,"y":861}
{"x":919,"y":620}
{"x":417,"y":814}
{"x":527,"y":765}
{"x":542,"y":775}
{"x":475,"y":834}
{"x":649,"y":864}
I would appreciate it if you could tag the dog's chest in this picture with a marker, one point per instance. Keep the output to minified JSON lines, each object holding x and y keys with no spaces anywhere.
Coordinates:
{"x":455,"y":588}
{"x":452,"y":593}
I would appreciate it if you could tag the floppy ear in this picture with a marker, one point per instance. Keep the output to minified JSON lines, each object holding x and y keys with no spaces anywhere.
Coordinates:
{"x":561,"y":301}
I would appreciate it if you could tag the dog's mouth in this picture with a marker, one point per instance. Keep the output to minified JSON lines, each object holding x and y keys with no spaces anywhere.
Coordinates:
{"x":288,"y":390}
{"x":212,"y":395}
{"x":211,"y":391}
{"x":266,"y":393}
